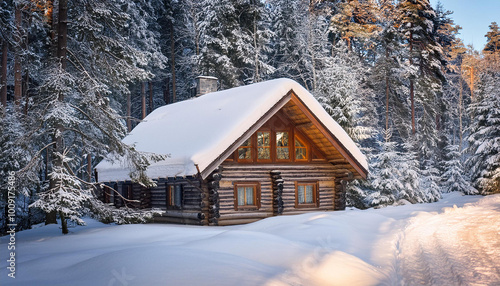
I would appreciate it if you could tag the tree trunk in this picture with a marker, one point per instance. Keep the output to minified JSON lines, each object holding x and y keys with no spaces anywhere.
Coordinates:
{"x":412,"y":95}
{"x":18,"y":79}
{"x":64,"y":224}
{"x":89,"y":167}
{"x":172,"y":56}
{"x":387,"y":97}
{"x":166,"y":91}
{"x":151,"y":107}
{"x":3,"y":78}
{"x":58,"y":148}
{"x":143,"y":99}
{"x":472,"y":83}
{"x":62,"y":35}
{"x":129,"y":112}
{"x":256,"y":50}
{"x":26,"y":75}
{"x":460,"y":98}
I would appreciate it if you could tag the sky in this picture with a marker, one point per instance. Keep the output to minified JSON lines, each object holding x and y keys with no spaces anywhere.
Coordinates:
{"x":474,"y":16}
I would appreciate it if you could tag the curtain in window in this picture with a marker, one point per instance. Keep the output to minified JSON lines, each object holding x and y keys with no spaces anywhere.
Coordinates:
{"x":300,"y":194}
{"x":177,"y":195}
{"x":309,"y":194}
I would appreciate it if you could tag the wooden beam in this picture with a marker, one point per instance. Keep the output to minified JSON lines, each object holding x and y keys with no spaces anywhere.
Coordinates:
{"x":328,"y":135}
{"x":232,"y":148}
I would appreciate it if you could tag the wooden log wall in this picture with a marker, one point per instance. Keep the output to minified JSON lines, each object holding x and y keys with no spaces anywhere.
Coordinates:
{"x":277,"y":192}
{"x":323,"y":173}
{"x":213,"y":197}
{"x":194,"y":202}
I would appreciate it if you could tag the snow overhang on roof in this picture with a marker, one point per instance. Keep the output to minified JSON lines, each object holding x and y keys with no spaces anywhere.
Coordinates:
{"x":197,"y":132}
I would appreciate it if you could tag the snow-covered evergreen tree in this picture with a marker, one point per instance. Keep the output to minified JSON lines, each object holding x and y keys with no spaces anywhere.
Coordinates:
{"x":234,"y":40}
{"x":17,"y":156}
{"x":484,"y":138}
{"x":455,"y":178}
{"x":386,"y":175}
{"x":290,"y":25}
{"x":80,"y":94}
{"x":410,"y":174}
{"x":342,"y":93}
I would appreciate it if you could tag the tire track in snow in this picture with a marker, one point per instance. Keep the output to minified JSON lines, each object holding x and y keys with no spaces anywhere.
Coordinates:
{"x":458,"y":247}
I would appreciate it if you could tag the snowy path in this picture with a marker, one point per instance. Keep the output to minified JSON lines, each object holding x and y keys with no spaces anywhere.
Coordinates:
{"x":458,"y":247}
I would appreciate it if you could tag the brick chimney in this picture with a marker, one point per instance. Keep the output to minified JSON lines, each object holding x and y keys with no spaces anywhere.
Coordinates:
{"x":205,"y":84}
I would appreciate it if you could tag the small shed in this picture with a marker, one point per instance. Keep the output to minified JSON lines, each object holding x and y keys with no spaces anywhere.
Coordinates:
{"x":240,"y":155}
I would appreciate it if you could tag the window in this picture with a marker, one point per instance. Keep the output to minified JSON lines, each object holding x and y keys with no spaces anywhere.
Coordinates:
{"x":246,"y":196}
{"x":263,"y":145}
{"x":268,"y":145}
{"x":306,"y":194}
{"x":245,"y":150}
{"x":300,"y":150}
{"x":128,"y":193}
{"x":174,"y":196}
{"x":282,"y":149}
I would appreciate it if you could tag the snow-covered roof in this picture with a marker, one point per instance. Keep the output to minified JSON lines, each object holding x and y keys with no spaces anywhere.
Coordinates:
{"x":194,"y":133}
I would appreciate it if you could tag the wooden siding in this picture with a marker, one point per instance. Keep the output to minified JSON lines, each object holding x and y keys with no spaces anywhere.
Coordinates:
{"x":290,"y":173}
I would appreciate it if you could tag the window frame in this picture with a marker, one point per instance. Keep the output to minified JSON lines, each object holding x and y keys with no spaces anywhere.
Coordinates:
{"x":270,"y":146}
{"x":296,"y":138}
{"x":170,"y":200}
{"x":290,"y":152}
{"x":251,"y":147}
{"x":315,"y":186}
{"x":256,"y":196}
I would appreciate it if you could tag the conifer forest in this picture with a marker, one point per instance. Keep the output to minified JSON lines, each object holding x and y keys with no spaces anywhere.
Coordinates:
{"x":76,"y":76}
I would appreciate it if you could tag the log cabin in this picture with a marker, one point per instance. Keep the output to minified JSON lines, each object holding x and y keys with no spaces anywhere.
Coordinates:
{"x":239,"y":155}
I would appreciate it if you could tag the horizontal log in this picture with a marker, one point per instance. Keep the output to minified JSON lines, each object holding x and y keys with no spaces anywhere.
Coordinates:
{"x":237,"y":221}
{"x":184,"y":215}
{"x":177,"y":220}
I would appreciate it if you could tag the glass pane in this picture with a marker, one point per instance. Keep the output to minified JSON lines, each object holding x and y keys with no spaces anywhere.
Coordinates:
{"x":177,"y":195}
{"x":298,"y":143}
{"x":263,"y":139}
{"x":249,"y":194}
{"x":244,"y":153}
{"x":281,"y":139}
{"x":300,"y":194}
{"x":241,"y":196}
{"x":309,"y":194}
{"x":300,"y":153}
{"x":264,"y":153}
{"x":263,"y":142}
{"x":282,"y":153}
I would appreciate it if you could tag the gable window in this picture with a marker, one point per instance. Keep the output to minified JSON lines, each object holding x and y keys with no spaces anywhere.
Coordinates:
{"x":306,"y":194}
{"x":263,"y":145}
{"x":246,"y":196}
{"x":245,"y":150}
{"x":282,"y":147}
{"x":174,"y":196}
{"x":300,"y":150}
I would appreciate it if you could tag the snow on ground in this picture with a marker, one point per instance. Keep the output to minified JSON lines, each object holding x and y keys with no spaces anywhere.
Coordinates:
{"x":455,"y":241}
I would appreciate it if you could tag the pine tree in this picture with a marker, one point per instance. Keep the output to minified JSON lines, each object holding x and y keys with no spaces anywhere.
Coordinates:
{"x":493,"y":39}
{"x":233,"y":41}
{"x":426,"y":61}
{"x":386,"y":174}
{"x":342,"y":93}
{"x":291,"y":27}
{"x":16,"y":154}
{"x":356,"y":21}
{"x":388,"y":74}
{"x":96,"y":60}
{"x":454,"y":178}
{"x":484,"y":138}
